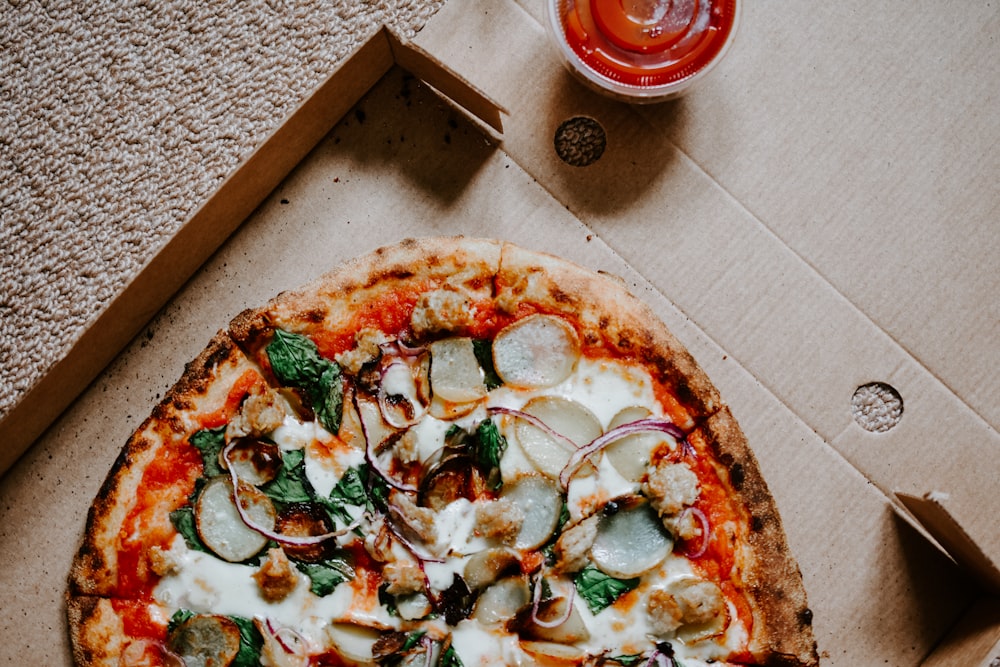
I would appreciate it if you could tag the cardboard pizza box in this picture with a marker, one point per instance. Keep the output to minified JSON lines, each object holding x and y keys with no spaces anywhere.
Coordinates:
{"x":746,"y":214}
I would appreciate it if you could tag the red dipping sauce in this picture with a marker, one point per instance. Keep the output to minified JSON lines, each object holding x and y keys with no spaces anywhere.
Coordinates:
{"x":642,"y":50}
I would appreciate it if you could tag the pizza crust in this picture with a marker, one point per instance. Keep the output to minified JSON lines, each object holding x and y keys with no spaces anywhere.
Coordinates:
{"x":204,"y":386}
{"x":782,"y":632}
{"x":97,"y":633}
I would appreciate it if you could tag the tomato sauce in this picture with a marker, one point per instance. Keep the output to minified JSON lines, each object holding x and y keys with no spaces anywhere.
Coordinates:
{"x":644,"y":44}
{"x":165,"y":485}
{"x":247,"y":382}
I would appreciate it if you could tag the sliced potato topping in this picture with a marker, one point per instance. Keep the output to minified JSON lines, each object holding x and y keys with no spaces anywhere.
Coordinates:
{"x":569,"y":419}
{"x":537,"y":351}
{"x":206,"y":640}
{"x":540,"y":501}
{"x":630,"y":455}
{"x":220,"y":525}
{"x":630,"y":542}
{"x":455,"y":373}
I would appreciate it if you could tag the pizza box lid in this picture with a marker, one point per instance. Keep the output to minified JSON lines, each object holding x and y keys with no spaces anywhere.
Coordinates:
{"x":805,"y":225}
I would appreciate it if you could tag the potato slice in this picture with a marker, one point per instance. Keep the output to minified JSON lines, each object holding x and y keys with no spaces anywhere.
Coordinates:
{"x":486,"y":566}
{"x":552,"y":654}
{"x":537,"y":351}
{"x":630,"y":455}
{"x":570,"y":419}
{"x":502,"y":600}
{"x":630,"y":542}
{"x":571,"y":630}
{"x":540,"y":500}
{"x":206,"y":640}
{"x":220,"y":525}
{"x":353,"y":642}
{"x":455,"y":373}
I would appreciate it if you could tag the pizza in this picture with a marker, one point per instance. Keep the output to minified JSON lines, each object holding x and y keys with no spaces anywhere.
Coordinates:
{"x":450,"y":452}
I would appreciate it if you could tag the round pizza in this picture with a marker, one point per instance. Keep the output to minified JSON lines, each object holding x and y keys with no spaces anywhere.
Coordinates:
{"x":451,"y":452}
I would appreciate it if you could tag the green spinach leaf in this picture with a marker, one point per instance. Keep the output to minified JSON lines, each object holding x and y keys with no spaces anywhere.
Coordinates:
{"x":296,"y":362}
{"x":210,"y":442}
{"x":483,"y":350}
{"x":600,"y":590}
{"x":291,"y":484}
{"x":251,"y":643}
{"x":326,"y":575}
{"x":490,"y":446}
{"x":183,"y":520}
{"x":179,"y":617}
{"x":450,"y":658}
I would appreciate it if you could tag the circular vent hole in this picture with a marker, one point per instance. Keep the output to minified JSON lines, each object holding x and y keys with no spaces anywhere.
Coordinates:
{"x":876,"y":407}
{"x":580,"y":141}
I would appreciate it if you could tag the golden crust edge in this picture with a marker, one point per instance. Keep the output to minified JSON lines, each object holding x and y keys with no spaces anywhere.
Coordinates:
{"x":782,"y":635}
{"x":95,"y":631}
{"x":465,"y":263}
{"x":93,"y":569}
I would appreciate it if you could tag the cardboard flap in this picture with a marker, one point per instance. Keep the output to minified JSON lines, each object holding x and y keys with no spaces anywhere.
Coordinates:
{"x":436,"y":74}
{"x":933,"y":513}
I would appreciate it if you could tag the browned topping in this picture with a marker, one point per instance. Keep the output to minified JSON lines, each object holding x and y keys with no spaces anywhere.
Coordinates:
{"x":276,"y":578}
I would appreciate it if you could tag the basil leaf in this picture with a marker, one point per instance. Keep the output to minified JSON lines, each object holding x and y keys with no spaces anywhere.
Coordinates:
{"x":251,"y":643}
{"x":326,"y":575}
{"x":183,"y":520}
{"x":210,"y":442}
{"x":290,"y":485}
{"x":350,"y":490}
{"x":483,"y":349}
{"x":412,"y":640}
{"x":180,"y":616}
{"x":600,"y":590}
{"x":628,"y":660}
{"x":296,"y":362}
{"x":489,"y":450}
{"x":450,"y":658}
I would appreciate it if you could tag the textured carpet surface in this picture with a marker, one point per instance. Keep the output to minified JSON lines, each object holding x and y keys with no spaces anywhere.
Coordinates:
{"x":117,"y":119}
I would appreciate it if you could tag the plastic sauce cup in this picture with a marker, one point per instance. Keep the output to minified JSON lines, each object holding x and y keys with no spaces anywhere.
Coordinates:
{"x":642,"y":50}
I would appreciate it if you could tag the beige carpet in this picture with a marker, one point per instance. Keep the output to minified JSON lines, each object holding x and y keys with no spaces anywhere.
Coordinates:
{"x":118,"y":118}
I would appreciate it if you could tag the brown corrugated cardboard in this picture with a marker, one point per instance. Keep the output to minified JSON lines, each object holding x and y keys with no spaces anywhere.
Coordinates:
{"x":785,"y":341}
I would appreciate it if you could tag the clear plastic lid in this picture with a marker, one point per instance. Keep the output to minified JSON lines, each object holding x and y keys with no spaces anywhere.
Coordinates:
{"x":642,"y":50}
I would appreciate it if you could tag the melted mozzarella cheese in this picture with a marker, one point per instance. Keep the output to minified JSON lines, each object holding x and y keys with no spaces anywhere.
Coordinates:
{"x":326,"y":463}
{"x":202,"y":583}
{"x":296,"y":434}
{"x":587,"y":494}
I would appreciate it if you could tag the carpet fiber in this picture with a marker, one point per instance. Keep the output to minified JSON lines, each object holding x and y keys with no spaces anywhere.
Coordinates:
{"x":117,"y":119}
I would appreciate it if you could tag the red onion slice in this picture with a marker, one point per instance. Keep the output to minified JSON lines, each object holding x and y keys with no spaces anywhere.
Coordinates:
{"x":640,"y":426}
{"x":398,"y":417}
{"x":534,"y":421}
{"x":537,"y":598}
{"x":297,"y":540}
{"x":371,"y":457}
{"x":706,"y":536}
{"x":301,"y":644}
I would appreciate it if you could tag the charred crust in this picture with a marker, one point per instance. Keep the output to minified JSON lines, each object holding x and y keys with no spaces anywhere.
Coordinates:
{"x":80,"y":610}
{"x":737,"y":475}
{"x":775,"y":582}
{"x":394,"y":274}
